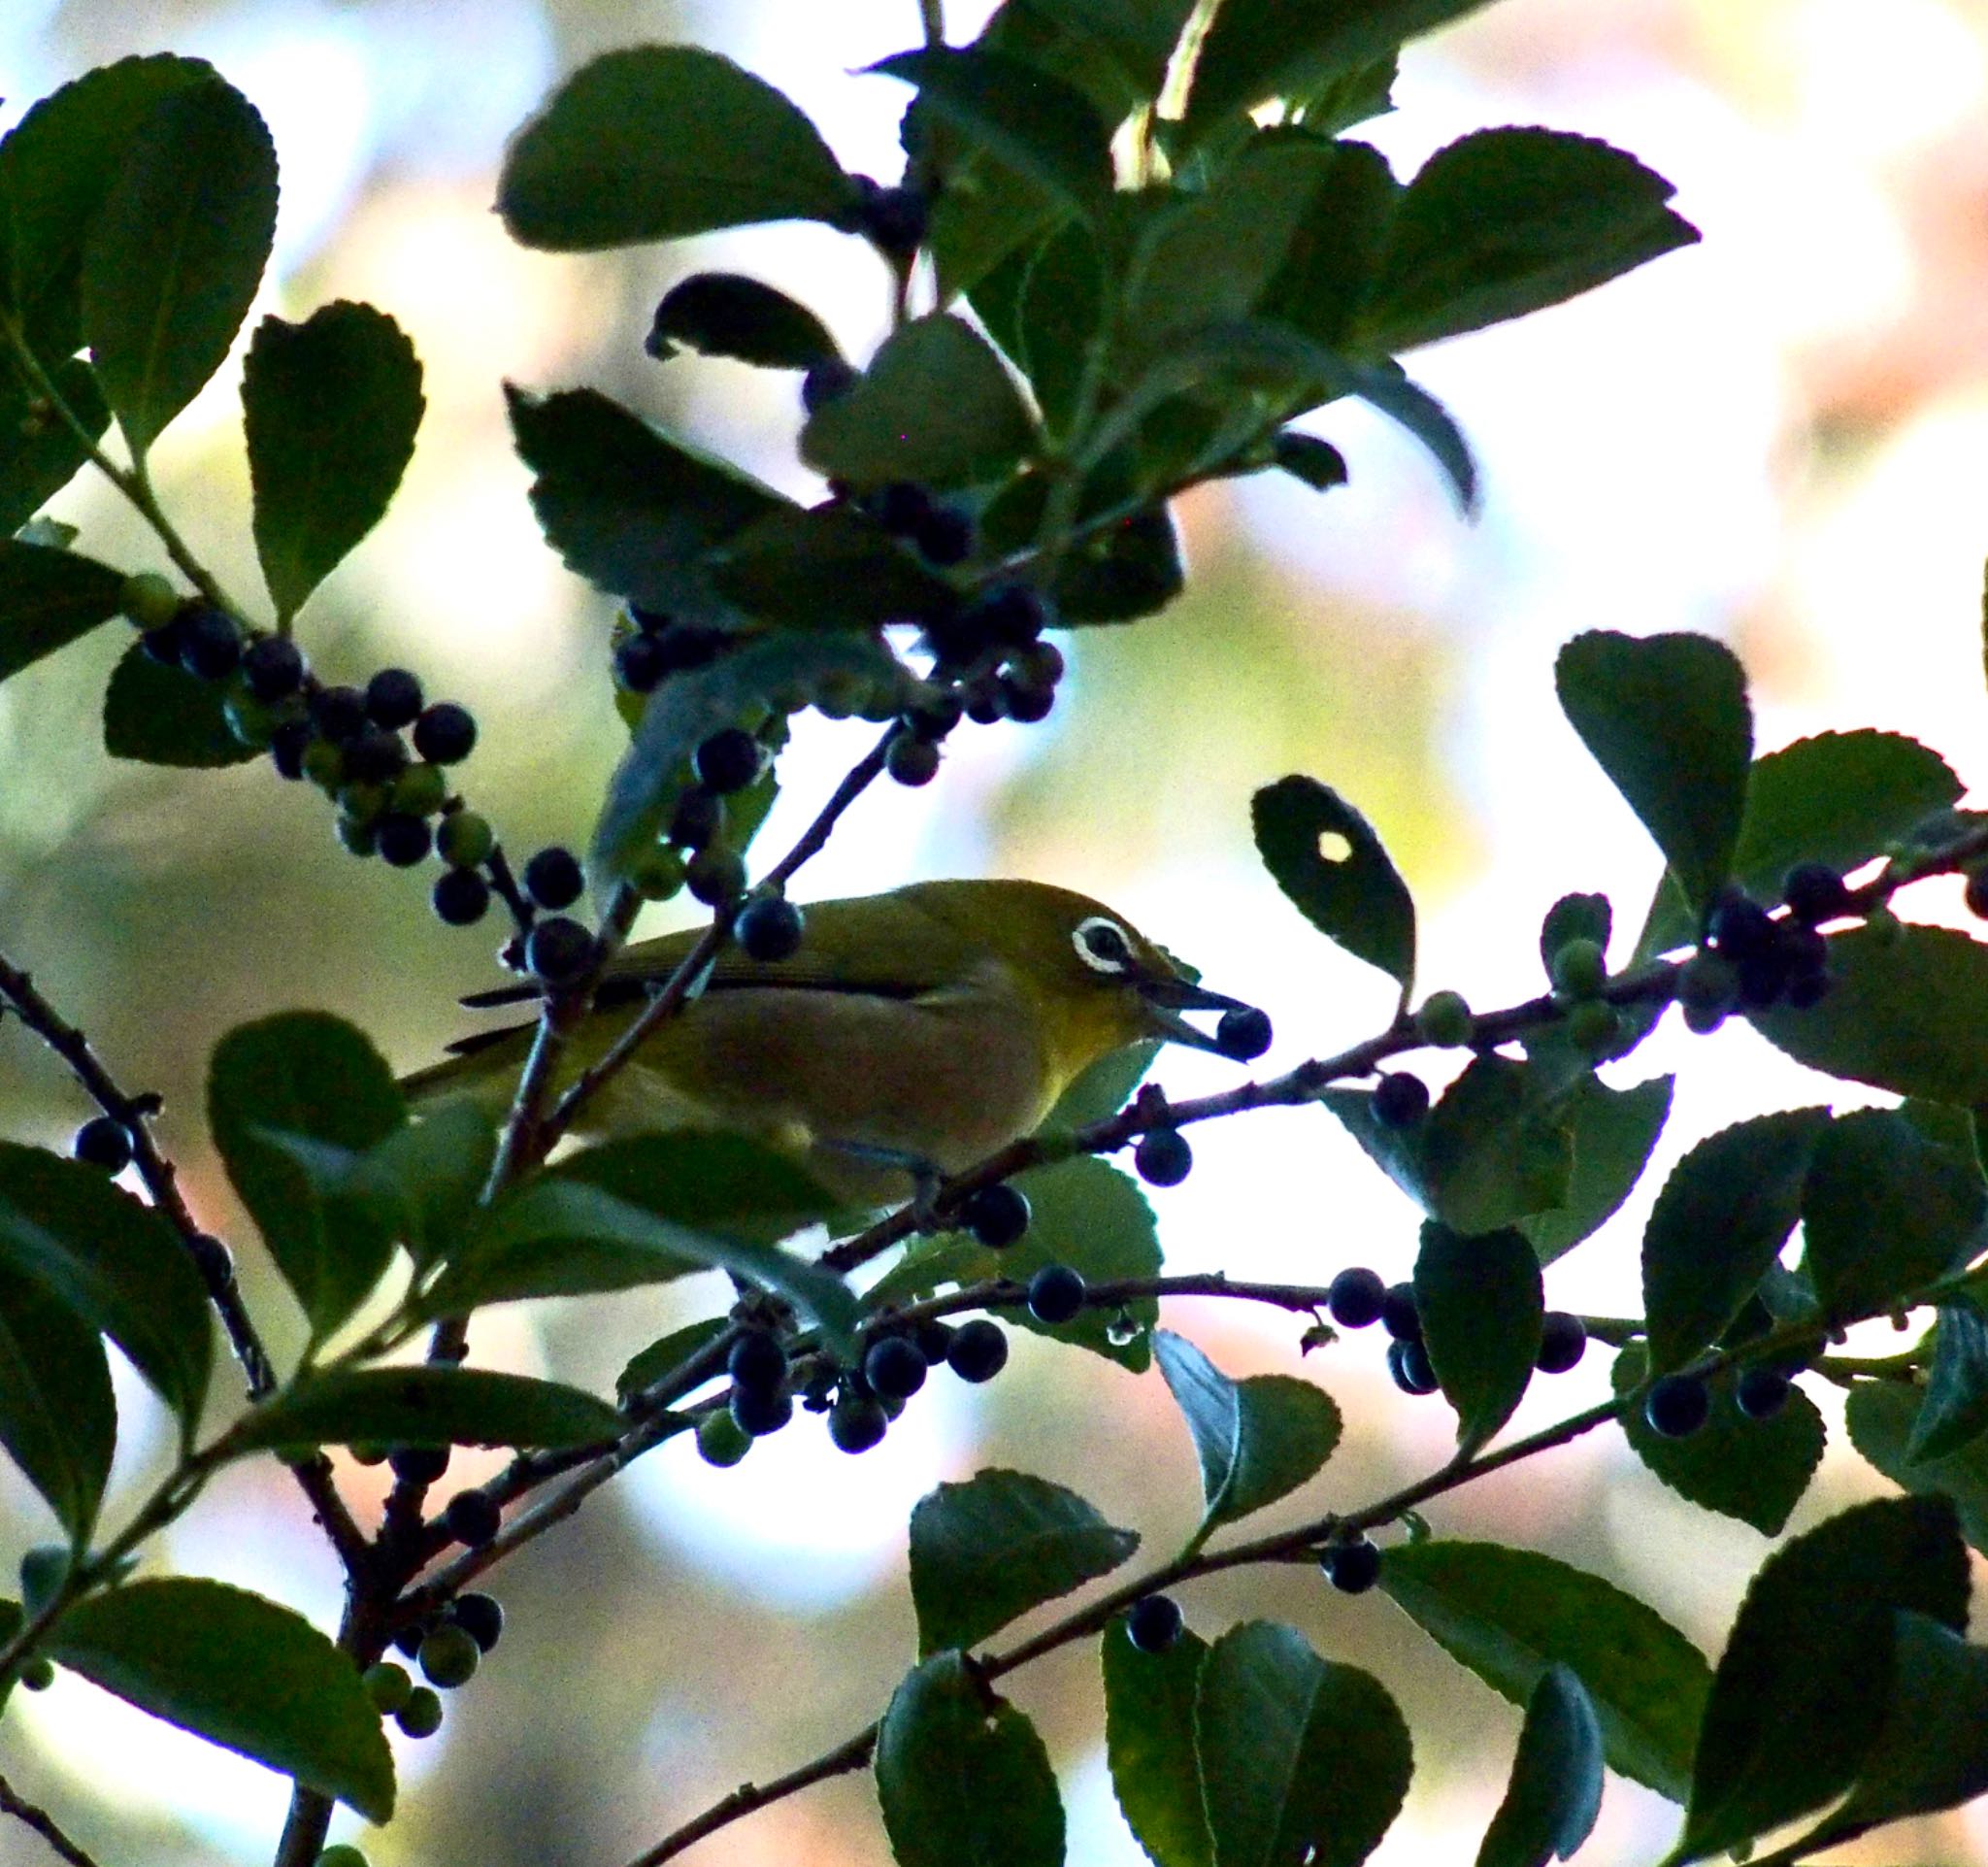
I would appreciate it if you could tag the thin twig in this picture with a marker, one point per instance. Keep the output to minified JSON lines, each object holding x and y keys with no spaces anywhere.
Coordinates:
{"x":14,"y":1803}
{"x":932,"y":17}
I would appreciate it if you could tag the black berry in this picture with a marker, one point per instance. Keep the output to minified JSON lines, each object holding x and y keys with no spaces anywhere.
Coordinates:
{"x":402,"y":840}
{"x":472,"y":1517}
{"x":727,"y":761}
{"x":421,"y":1714}
{"x":103,"y":1143}
{"x":760,"y":1413}
{"x":1762,"y":1392}
{"x":418,"y":1464}
{"x":1009,"y":617}
{"x":1815,"y":893}
{"x":481,"y":1616}
{"x":273,"y":668}
{"x":900,"y":507}
{"x":1677,"y":1406}
{"x":894,"y":1368}
{"x":824,"y":383}
{"x":893,"y":220}
{"x":408,"y":1640}
{"x":1243,"y":1035}
{"x":697,"y":819}
{"x":1408,"y":1361}
{"x":558,"y":951}
{"x":912,"y":760}
{"x":1740,"y":929}
{"x":553,"y":878}
{"x":162,"y":644}
{"x":856,"y":1422}
{"x":444,"y":734}
{"x":1056,"y":1293}
{"x":640,"y":663}
{"x":375,"y":756}
{"x":1975,"y":894}
{"x":338,"y":713}
{"x":1352,"y":1568}
{"x":1400,"y":1099}
{"x":997,"y":1215}
{"x":934,"y":1339}
{"x":944,"y":537}
{"x":1354,"y":1298}
{"x":213,"y":1259}
{"x":210,"y":643}
{"x":287,"y":744}
{"x":1025,"y":704}
{"x":1400,"y":1314}
{"x":1153,"y":1623}
{"x":393,"y":698}
{"x":758,"y":1362}
{"x":1162,"y":1157}
{"x":461,"y":897}
{"x":1563,"y":1340}
{"x":769,"y":929}
{"x":715,"y":877}
{"x":979,"y":1350}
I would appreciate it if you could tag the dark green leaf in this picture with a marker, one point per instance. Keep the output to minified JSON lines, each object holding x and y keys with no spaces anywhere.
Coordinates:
{"x":1103,"y":1089}
{"x":40,"y":453}
{"x":1319,"y":464}
{"x":48,"y":599}
{"x":1383,"y":386}
{"x":1885,"y":1212}
{"x":827,"y":567}
{"x":724,"y":313}
{"x":1908,"y":1011}
{"x":57,"y":1419}
{"x":1257,"y":1439}
{"x":240,"y":1672}
{"x":987,"y":1552}
{"x":1614,"y":1132}
{"x":117,"y":1265}
{"x":1555,"y":1794}
{"x":311,"y":1075}
{"x":1149,"y":1741}
{"x":987,"y":213}
{"x":330,"y":407}
{"x":1349,"y":97}
{"x":1122,"y":571}
{"x":1116,"y":49}
{"x":1955,"y":1410}
{"x":935,"y":406}
{"x":1667,"y":718}
{"x":1721,"y":1219}
{"x":666,"y":1356}
{"x":1302,"y":1759}
{"x":1326,"y":857}
{"x":962,"y":1775}
{"x":1792,"y":1713}
{"x":163,"y":715}
{"x":1481,"y":1301}
{"x":1028,"y":119}
{"x":1508,"y":1615}
{"x":1755,"y":1469}
{"x":1575,"y":917}
{"x":1060,"y":313}
{"x":656,"y":142}
{"x":431,"y":1174}
{"x":175,"y":254}
{"x":424,"y":1406}
{"x":1883,"y":1417}
{"x":1335,"y":251}
{"x":630,"y":509}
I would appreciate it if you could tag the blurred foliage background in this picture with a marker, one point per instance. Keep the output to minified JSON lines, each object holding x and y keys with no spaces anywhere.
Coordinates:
{"x":1780,"y":436}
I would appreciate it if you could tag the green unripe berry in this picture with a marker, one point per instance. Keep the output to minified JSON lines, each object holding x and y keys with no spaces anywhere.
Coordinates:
{"x":660,"y":875}
{"x":249,"y":720}
{"x":463,"y":839}
{"x":421,"y":1714}
{"x":149,"y":599}
{"x":716,"y":876}
{"x":418,"y":791}
{"x":1445,"y":1020}
{"x":362,"y":802}
{"x":359,"y":839}
{"x":38,"y":1674}
{"x":1707,"y":982}
{"x":1580,"y":969}
{"x":450,"y":1658}
{"x":839,"y":692}
{"x":324,"y":764}
{"x":388,"y":1685}
{"x":1593,"y":1025}
{"x":720,"y":1440}
{"x":341,"y":1854}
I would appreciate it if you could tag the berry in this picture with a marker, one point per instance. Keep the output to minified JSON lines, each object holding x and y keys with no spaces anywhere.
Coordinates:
{"x":1445,"y":1020}
{"x":727,"y":761}
{"x":1355,"y":1297}
{"x":934,"y":1339}
{"x":324,"y":764}
{"x":979,"y":1350}
{"x":421,"y":1714}
{"x":912,"y":760}
{"x":149,"y":599}
{"x":944,"y":537}
{"x":403,"y":840}
{"x":1244,"y":1034}
{"x":1593,"y":1027}
{"x":408,"y":1640}
{"x":375,"y":757}
{"x":997,"y":1215}
{"x":213,"y":1259}
{"x":698,"y":818}
{"x":1409,"y":1365}
{"x":1975,"y":894}
{"x":1579,"y":969}
{"x":1815,"y":893}
{"x":1154,"y":1624}
{"x":444,"y":734}
{"x":894,"y":1368}
{"x":1056,"y":1293}
{"x":715,"y":877}
{"x":1023,"y":704}
{"x":420,"y":790}
{"x":1400,"y":1314}
{"x":558,"y":951}
{"x":720,"y":1440}
{"x":640,"y":663}
{"x":1039,"y":665}
{"x":1762,"y":979}
{"x":388,"y":1684}
{"x":659,"y":874}
{"x":449,"y":1658}
{"x":685,"y":647}
{"x":463,"y":839}
{"x":769,"y":929}
{"x":757,"y":1362}
{"x":356,"y":837}
{"x":472,"y":1517}
{"x":338,"y":714}
{"x":1806,"y":989}
{"x":162,"y":644}
{"x":1563,"y":1340}
{"x":287,"y":744}
{"x":761,"y":1413}
{"x":1762,"y":1392}
{"x":1739,"y":927}
{"x":856,"y":1422}
{"x":247,"y":718}
{"x":1162,"y":1157}
{"x":553,"y":878}
{"x":1352,"y":1568}
{"x":826,"y":382}
{"x":38,"y":1674}
{"x":273,"y":668}
{"x":1400,"y":1099}
{"x":1677,"y":1406}
{"x":418,"y":1464}
{"x":893,"y":221}
{"x":934,"y":715}
{"x":900,"y":507}
{"x":102,"y":1142}
{"x":461,"y":897}
{"x":1009,"y":616}
{"x":481,"y":1616}
{"x":210,"y":643}
{"x":393,"y":698}
{"x":341,"y":1854}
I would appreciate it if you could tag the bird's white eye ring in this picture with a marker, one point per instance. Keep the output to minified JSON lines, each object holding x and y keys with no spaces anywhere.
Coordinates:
{"x":1102,"y":945}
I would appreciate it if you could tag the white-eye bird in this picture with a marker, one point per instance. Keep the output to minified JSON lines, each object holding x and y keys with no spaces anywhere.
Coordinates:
{"x":910,"y":1034}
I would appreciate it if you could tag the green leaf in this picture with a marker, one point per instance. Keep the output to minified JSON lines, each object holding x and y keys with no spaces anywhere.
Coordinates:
{"x":1885,"y":1212}
{"x":1883,"y":1417}
{"x":1614,"y":1133}
{"x":1954,"y":1412}
{"x":1027,"y":118}
{"x":1554,"y":1797}
{"x":1149,"y":1742}
{"x":656,"y":141}
{"x":1061,"y":313}
{"x":1506,"y":222}
{"x":163,"y":715}
{"x":57,"y":1418}
{"x":1327,"y":859}
{"x":725,"y":314}
{"x":1116,"y":49}
{"x":330,"y":408}
{"x":666,"y":1356}
{"x":1122,"y":572}
{"x":311,"y":1075}
{"x":987,"y":1552}
{"x":40,"y":453}
{"x":1103,"y":1089}
{"x":827,"y":567}
{"x":1384,"y":386}
{"x":1908,"y":1011}
{"x":1302,"y":1759}
{"x":1721,"y":1219}
{"x":431,"y":1174}
{"x":1257,"y":1439}
{"x":1319,"y":464}
{"x":423,"y":1406}
{"x":1508,"y":1615}
{"x":1575,"y":917}
{"x":175,"y":254}
{"x":963,"y":1778}
{"x":1667,"y":718}
{"x":1481,"y":1302}
{"x":1792,"y":1713}
{"x":117,"y":1265}
{"x":628,"y":508}
{"x":935,"y":406}
{"x":240,"y":1672}
{"x":48,"y":599}
{"x":1334,"y":254}
{"x":1755,"y":1469}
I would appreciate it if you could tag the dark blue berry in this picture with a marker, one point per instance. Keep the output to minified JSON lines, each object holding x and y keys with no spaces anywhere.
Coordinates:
{"x":759,"y":1412}
{"x":893,"y":221}
{"x":1762,"y":1392}
{"x":273,"y":668}
{"x":856,"y":1422}
{"x":1400,"y":1099}
{"x":1354,"y":1298}
{"x":403,"y":840}
{"x":640,"y":664}
{"x":558,"y":951}
{"x":481,"y":1616}
{"x":473,"y":1519}
{"x":375,"y":756}
{"x":210,"y":643}
{"x":769,"y":929}
{"x":1740,"y":929}
{"x":1677,"y":1406}
{"x":901,"y":507}
{"x":894,"y":1368}
{"x":1352,"y":1568}
{"x":826,"y":382}
{"x":393,"y":698}
{"x":162,"y":644}
{"x":933,"y":1338}
{"x":1244,"y":1034}
{"x":1056,"y":1293}
{"x":418,"y":1464}
{"x":727,"y":761}
{"x":944,"y":537}
{"x":461,"y":897}
{"x":697,"y":819}
{"x":338,"y":714}
{"x":912,"y":760}
{"x":1023,"y":703}
{"x":1408,"y":1361}
{"x":1009,"y":617}
{"x":1563,"y":1340}
{"x":1162,"y":1157}
{"x":1815,"y":892}
{"x":1400,"y":1314}
{"x":979,"y":1350}
{"x":444,"y":734}
{"x":103,"y":1143}
{"x":757,"y":1361}
{"x":1153,"y":1623}
{"x":997,"y":1215}
{"x":554,"y":878}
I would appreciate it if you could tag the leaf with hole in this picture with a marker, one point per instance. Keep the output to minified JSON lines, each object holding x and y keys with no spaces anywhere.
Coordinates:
{"x":1331,"y":865}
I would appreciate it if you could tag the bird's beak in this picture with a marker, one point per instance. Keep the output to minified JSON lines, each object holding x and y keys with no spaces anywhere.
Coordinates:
{"x":1167,"y":997}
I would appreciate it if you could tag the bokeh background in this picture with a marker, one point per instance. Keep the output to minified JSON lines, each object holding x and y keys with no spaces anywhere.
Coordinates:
{"x":1779,"y":436}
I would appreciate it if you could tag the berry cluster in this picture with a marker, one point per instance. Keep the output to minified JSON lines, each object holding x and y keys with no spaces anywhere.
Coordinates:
{"x":448,"y":1648}
{"x":1750,"y":959}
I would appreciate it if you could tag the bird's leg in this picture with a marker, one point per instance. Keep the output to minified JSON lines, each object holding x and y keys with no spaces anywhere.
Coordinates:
{"x":925,"y":1174}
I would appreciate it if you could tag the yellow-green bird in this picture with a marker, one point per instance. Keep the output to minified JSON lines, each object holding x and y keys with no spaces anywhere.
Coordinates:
{"x":911,"y":1033}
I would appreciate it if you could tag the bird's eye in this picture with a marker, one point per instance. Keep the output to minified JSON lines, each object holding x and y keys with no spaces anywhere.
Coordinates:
{"x":1102,"y":945}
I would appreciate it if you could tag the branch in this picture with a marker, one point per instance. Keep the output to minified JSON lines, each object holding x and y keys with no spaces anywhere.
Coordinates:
{"x":13,"y":1803}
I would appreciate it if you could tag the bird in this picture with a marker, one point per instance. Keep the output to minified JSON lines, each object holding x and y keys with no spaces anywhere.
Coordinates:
{"x":908,"y":1035}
